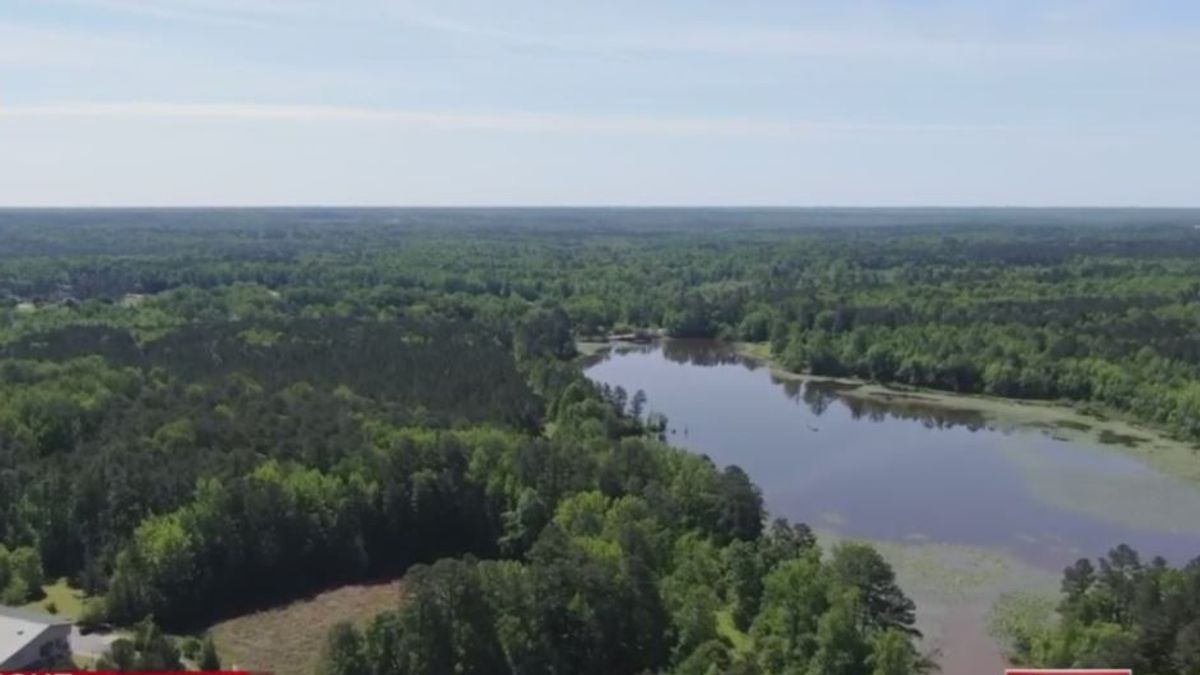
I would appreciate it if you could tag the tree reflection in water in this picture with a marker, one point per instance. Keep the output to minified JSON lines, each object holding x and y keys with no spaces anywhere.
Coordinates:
{"x":818,"y":395}
{"x":704,"y":353}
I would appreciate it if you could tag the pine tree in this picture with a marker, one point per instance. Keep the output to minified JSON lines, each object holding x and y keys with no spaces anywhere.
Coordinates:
{"x":209,"y":660}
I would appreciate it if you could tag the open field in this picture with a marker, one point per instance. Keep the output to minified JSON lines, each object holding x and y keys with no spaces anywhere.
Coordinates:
{"x":288,"y":640}
{"x":66,"y":601}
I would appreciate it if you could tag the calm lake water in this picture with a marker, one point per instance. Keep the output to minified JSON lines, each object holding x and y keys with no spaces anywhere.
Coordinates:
{"x":898,"y":471}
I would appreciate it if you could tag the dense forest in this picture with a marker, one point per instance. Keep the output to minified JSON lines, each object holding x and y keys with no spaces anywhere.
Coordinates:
{"x":205,"y":411}
{"x":1095,"y":307}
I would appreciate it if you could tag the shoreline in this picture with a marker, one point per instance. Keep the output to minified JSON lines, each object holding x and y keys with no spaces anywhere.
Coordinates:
{"x":1173,"y":457}
{"x":1058,"y":419}
{"x":1152,"y":451}
{"x":957,"y":586}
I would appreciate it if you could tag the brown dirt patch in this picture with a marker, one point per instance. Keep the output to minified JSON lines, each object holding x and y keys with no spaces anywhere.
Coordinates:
{"x":966,"y":647}
{"x":288,"y":640}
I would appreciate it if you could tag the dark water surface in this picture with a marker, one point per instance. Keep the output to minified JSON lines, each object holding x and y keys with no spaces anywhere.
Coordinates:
{"x":900,"y":470}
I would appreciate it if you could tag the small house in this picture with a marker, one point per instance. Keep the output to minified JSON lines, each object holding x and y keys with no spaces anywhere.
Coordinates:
{"x":32,"y":640}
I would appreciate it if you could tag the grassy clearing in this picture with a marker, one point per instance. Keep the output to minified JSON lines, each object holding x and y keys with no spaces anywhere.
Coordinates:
{"x":726,"y":629}
{"x":586,"y":348}
{"x":1020,"y":614}
{"x":288,"y":640}
{"x":67,"y":602}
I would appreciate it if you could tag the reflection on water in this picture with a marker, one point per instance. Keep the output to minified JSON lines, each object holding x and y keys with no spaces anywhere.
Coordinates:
{"x":697,"y":353}
{"x":817,"y":394}
{"x":902,"y":468}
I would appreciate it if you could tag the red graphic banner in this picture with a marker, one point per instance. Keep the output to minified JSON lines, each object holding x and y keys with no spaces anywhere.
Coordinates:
{"x":105,"y":672}
{"x":1082,"y":671}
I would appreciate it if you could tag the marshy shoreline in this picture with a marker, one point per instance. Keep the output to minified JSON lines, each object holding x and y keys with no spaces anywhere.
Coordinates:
{"x":1058,"y":419}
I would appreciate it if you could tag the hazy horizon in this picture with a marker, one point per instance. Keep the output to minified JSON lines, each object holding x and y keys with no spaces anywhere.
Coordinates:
{"x":596,"y":207}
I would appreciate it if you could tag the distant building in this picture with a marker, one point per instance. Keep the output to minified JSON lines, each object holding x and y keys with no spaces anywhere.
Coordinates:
{"x":31,"y":640}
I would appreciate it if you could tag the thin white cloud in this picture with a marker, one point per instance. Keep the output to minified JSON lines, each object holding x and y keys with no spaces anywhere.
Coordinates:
{"x":22,"y":45}
{"x":859,"y":41}
{"x":942,"y":43}
{"x":831,"y":43}
{"x":250,"y":13}
{"x":455,"y":120}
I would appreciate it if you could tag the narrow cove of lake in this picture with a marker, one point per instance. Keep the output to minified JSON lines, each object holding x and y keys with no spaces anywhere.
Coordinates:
{"x":942,"y":491}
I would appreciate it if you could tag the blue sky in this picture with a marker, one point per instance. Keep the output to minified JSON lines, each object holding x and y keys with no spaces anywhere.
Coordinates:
{"x":515,"y":102}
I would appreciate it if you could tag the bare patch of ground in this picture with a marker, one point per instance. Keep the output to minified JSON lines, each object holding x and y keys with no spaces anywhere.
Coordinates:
{"x":592,"y":348}
{"x":967,"y":649}
{"x":288,"y":640}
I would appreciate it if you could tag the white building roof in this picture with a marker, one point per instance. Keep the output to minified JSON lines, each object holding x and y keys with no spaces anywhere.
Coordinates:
{"x":19,"y":627}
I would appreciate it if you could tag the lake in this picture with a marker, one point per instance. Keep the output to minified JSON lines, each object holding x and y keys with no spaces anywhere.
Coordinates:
{"x":905,"y":472}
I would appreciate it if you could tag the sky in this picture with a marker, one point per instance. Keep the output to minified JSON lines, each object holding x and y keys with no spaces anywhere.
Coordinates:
{"x":604,"y":102}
